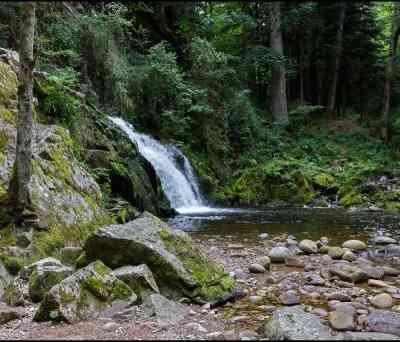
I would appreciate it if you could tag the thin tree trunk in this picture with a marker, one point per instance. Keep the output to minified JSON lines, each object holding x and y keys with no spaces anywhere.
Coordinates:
{"x":390,"y":68}
{"x":278,"y":91}
{"x":19,"y":187}
{"x":301,"y":70}
{"x":338,"y":55}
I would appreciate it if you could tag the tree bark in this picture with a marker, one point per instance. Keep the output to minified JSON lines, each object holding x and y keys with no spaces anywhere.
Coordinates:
{"x":22,"y":173}
{"x":301,"y":70}
{"x":338,"y":56}
{"x":278,"y":89}
{"x":390,"y":68}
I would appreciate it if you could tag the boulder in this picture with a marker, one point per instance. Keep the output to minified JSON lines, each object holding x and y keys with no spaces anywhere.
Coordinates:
{"x":44,"y":278}
{"x":308,"y":246}
{"x":180,"y":269}
{"x":139,"y":278}
{"x":278,"y":254}
{"x":84,"y":295}
{"x":26,"y":271}
{"x":355,"y":245}
{"x":167,"y":312}
{"x":342,"y":318}
{"x":384,"y":321}
{"x":294,"y":323}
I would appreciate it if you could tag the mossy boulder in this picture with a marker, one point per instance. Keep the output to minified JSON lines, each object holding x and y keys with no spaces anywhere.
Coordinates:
{"x":180,"y":268}
{"x":84,"y":295}
{"x":44,"y":278}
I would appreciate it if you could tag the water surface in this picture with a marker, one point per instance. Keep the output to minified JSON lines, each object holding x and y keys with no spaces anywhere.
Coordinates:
{"x":312,"y":223}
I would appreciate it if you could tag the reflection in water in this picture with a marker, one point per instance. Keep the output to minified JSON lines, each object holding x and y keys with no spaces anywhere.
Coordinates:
{"x":337,"y":224}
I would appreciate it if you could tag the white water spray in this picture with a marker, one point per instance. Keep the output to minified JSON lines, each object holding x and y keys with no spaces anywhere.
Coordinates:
{"x":177,"y":178}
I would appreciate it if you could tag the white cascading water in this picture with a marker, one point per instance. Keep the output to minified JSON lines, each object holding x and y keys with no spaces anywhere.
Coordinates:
{"x":179,"y":183}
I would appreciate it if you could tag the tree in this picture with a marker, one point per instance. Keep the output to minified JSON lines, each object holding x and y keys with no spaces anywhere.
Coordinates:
{"x":338,"y":56}
{"x":19,"y":186}
{"x":390,"y":67}
{"x":278,"y":90}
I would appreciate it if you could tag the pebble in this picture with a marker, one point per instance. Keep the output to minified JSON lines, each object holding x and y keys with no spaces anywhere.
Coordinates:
{"x":338,"y":296}
{"x":255,"y":299}
{"x":263,"y":236}
{"x":377,"y":283}
{"x":320,"y":312}
{"x":289,"y":298}
{"x":196,"y":326}
{"x":216,"y":335}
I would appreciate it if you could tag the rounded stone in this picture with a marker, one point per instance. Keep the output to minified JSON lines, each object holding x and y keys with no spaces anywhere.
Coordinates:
{"x":308,"y":246}
{"x":355,"y":245}
{"x":335,"y":252}
{"x":264,"y":261}
{"x":382,"y":301}
{"x":349,"y":256}
{"x":384,"y":240}
{"x":278,"y":254}
{"x":256,"y":268}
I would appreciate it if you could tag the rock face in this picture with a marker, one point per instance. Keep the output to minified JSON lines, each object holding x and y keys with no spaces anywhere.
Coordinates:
{"x":166,"y":311}
{"x":180,"y":269}
{"x":293,"y":323}
{"x":61,"y":190}
{"x":138,"y":278}
{"x":84,"y":295}
{"x":384,"y":321}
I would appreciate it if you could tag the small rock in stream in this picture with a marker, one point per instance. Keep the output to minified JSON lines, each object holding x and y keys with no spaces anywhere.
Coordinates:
{"x":257,"y":268}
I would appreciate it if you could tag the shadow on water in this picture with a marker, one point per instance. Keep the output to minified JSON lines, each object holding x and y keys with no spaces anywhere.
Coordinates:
{"x":312,"y":223}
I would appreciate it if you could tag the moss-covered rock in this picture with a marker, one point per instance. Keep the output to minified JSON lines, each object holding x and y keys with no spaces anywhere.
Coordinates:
{"x":44,"y":278}
{"x":84,"y":295}
{"x":180,"y":269}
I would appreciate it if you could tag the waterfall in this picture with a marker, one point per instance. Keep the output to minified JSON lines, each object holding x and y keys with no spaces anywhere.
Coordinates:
{"x":177,"y":177}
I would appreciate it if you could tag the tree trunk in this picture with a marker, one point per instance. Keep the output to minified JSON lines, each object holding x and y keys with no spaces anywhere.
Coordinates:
{"x":301,"y":70}
{"x":22,"y":173}
{"x":278,"y":89}
{"x":338,"y":55}
{"x":390,"y":68}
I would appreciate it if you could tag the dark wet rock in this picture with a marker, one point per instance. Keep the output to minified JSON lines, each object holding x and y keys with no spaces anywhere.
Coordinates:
{"x":384,"y":321}
{"x":8,"y":313}
{"x":278,"y":254}
{"x":368,"y":336}
{"x":257,"y":268}
{"x":308,"y":246}
{"x":167,"y":312}
{"x":342,"y":318}
{"x":139,"y":278}
{"x":179,"y":268}
{"x":294,"y":323}
{"x":289,"y":298}
{"x":85,"y":295}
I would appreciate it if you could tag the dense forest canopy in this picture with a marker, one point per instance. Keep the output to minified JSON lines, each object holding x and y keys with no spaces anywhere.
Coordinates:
{"x":247,"y":89}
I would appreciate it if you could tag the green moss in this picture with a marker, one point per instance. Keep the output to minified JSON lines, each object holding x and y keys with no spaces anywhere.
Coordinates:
{"x":352,"y":198}
{"x":212,"y":281}
{"x":65,"y":296}
{"x":13,"y":264}
{"x":120,"y":290}
{"x":82,"y":261}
